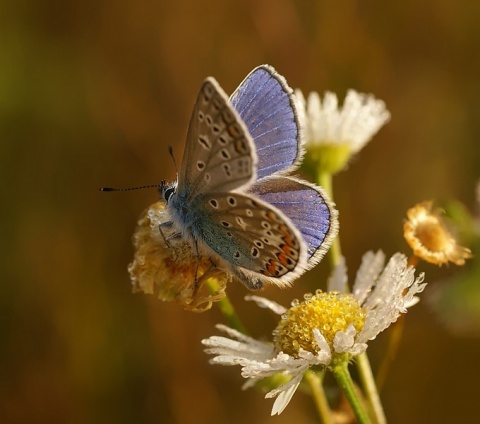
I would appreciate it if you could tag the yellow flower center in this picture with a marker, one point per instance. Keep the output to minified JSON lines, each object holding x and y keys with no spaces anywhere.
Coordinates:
{"x":433,"y":235}
{"x":328,"y":312}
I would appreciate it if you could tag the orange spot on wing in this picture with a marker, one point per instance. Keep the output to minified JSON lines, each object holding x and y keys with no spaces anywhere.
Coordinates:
{"x":282,"y":258}
{"x":233,"y":131}
{"x":271,"y":216}
{"x":272,"y":267}
{"x":289,"y":241}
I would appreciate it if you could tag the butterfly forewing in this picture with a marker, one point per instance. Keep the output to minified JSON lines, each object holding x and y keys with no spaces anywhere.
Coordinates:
{"x":219,"y":154}
{"x":266,"y":104}
{"x":251,"y":235}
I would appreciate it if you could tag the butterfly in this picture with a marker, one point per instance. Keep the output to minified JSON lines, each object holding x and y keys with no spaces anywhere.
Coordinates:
{"x":233,"y":200}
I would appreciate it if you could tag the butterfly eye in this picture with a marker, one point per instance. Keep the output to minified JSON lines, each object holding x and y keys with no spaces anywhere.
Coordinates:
{"x":168,"y":193}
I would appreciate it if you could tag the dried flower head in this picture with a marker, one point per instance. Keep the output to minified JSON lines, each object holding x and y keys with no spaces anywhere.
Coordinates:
{"x":326,"y":328}
{"x":166,"y":261}
{"x":427,"y":234}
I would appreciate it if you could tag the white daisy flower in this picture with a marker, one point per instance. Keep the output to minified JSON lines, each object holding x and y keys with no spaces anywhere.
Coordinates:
{"x":325,"y":328}
{"x":337,"y":131}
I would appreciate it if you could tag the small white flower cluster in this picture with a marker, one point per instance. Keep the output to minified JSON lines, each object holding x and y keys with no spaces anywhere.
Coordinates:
{"x":353,"y":124}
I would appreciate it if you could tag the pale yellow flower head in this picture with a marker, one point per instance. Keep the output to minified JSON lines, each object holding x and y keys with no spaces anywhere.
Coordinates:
{"x":427,"y":234}
{"x":165,"y":262}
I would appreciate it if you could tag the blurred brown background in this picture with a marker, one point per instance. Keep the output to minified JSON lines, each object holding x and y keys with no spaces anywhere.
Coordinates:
{"x":92,"y":93}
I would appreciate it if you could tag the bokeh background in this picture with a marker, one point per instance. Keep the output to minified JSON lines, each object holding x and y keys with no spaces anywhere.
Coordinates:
{"x":92,"y":93}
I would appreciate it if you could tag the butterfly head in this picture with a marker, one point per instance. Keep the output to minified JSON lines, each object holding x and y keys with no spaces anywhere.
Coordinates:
{"x":167,"y":190}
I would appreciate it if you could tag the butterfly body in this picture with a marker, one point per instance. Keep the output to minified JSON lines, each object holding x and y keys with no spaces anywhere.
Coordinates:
{"x":233,"y":201}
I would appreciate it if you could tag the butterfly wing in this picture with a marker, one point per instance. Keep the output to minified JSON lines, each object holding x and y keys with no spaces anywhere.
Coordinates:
{"x":267,"y":105}
{"x":219,"y":154}
{"x":307,"y":206}
{"x":256,"y":241}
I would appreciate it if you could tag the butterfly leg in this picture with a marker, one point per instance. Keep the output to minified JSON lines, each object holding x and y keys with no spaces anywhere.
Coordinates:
{"x":196,"y":285}
{"x":168,"y":226}
{"x":165,"y":225}
{"x":249,"y":282}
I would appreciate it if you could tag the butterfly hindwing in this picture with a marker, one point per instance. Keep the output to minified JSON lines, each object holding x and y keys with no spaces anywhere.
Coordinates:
{"x":253,"y":238}
{"x":308,"y":208}
{"x":267,"y":105}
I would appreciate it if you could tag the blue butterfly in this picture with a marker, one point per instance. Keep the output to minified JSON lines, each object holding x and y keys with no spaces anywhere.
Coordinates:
{"x":233,"y":199}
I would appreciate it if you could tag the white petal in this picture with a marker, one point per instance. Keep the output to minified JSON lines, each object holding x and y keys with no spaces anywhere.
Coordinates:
{"x":388,"y":283}
{"x":283,"y":399}
{"x":263,"y":302}
{"x":344,"y":340}
{"x":284,"y":393}
{"x":338,"y":278}
{"x":413,"y":302}
{"x":358,"y":348}
{"x":389,"y":299}
{"x":324,"y":357}
{"x":372,"y":264}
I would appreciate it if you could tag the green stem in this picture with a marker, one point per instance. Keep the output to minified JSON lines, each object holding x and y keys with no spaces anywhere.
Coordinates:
{"x":345,"y":382}
{"x":325,"y":180}
{"x":315,"y":383}
{"x":370,"y":388}
{"x":226,"y":308}
{"x":394,"y":339}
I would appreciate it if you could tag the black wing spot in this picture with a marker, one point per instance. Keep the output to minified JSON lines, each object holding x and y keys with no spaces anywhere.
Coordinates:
{"x":227,"y":170}
{"x":259,"y":244}
{"x":204,"y":142}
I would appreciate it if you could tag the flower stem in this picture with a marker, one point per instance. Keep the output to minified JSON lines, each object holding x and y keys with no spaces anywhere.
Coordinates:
{"x":342,"y":375}
{"x":226,"y":308}
{"x":325,"y":180}
{"x":315,"y":383}
{"x":371,"y":392}
{"x":395,"y":336}
{"x":413,"y":260}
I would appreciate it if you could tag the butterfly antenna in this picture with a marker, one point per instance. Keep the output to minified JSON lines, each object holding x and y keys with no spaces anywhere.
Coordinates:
{"x":130,"y":188}
{"x":170,"y":152}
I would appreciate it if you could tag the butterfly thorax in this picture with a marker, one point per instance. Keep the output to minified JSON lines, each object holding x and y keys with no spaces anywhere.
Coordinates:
{"x":180,"y":207}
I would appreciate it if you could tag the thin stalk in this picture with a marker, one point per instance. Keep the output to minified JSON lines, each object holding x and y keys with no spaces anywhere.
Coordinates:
{"x":371,"y":392}
{"x":394,"y":339}
{"x":345,"y":382}
{"x":226,"y":308}
{"x":325,"y":180}
{"x":315,"y":383}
